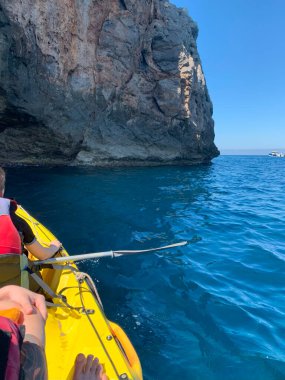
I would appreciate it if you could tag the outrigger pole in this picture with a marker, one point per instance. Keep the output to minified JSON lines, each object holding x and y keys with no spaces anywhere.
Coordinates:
{"x":97,"y":255}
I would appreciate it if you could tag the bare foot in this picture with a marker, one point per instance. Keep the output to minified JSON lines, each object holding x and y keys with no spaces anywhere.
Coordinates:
{"x":88,"y":368}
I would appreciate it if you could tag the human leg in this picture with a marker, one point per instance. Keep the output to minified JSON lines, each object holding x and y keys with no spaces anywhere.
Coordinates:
{"x":28,"y":305}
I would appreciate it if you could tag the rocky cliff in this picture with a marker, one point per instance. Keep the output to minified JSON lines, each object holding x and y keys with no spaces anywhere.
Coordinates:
{"x":101,"y":83}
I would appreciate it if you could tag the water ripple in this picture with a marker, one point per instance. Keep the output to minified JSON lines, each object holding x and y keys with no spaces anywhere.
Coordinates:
{"x":212,"y":310}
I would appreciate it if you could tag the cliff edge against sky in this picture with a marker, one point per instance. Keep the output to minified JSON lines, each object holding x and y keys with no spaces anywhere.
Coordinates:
{"x":101,"y":83}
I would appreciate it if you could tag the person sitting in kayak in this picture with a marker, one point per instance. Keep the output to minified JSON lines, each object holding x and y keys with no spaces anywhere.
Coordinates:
{"x":23,"y":353}
{"x":14,"y":230}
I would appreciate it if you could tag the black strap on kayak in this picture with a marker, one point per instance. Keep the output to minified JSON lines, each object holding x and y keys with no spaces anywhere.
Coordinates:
{"x":45,"y":286}
{"x":80,"y":276}
{"x":24,"y":275}
{"x":49,"y":291}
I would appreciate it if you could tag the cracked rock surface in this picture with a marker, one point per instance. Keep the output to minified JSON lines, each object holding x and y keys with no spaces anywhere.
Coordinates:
{"x":113,"y":82}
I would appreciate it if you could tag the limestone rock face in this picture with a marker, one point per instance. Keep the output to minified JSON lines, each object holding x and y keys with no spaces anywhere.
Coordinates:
{"x":101,"y":83}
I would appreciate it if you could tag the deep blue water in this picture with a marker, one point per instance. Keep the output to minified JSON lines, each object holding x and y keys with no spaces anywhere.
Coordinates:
{"x":212,"y":310}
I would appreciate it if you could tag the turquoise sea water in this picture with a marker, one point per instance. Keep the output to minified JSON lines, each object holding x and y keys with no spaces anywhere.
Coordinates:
{"x":212,"y":310}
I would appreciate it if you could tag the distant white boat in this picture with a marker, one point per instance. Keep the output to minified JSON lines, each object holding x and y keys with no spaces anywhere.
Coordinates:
{"x":274,"y":153}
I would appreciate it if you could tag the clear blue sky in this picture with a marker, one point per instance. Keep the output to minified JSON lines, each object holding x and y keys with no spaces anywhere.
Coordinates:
{"x":242,"y":48}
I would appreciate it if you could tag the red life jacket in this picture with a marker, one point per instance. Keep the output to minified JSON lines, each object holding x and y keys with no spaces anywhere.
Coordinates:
{"x":11,"y":341}
{"x":10,"y":241}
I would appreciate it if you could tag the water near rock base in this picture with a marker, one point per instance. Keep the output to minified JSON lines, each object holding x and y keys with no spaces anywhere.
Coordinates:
{"x":210,"y":311}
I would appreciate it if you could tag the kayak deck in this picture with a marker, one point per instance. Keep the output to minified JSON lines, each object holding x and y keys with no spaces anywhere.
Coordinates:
{"x":82,"y":326}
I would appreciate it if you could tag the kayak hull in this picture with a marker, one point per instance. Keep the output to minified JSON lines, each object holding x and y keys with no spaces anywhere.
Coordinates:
{"x":79,"y":325}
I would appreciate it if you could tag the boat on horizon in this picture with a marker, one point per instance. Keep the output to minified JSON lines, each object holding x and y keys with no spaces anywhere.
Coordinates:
{"x":274,"y":153}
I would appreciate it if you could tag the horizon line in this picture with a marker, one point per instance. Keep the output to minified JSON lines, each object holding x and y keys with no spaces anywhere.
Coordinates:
{"x":252,"y":149}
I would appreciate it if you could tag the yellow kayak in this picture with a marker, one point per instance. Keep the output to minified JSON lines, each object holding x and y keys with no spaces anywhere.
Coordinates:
{"x":79,"y":325}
